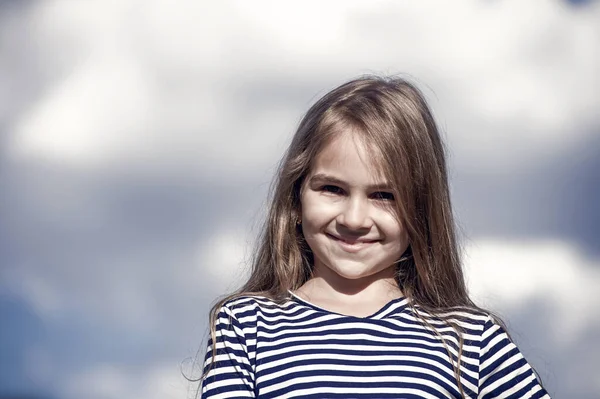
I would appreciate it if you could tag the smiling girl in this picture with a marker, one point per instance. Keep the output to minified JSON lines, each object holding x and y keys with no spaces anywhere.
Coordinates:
{"x":357,"y":289}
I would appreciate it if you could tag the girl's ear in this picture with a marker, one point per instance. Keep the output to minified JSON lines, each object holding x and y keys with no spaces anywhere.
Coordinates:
{"x":298,"y":217}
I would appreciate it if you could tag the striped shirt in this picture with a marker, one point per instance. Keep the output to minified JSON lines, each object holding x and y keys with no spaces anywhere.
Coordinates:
{"x":300,"y":350}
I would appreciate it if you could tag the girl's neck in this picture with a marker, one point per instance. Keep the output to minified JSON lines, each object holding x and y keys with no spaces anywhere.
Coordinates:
{"x":362,"y":296}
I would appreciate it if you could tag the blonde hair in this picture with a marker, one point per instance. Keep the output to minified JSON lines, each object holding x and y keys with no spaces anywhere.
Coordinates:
{"x":390,"y":115}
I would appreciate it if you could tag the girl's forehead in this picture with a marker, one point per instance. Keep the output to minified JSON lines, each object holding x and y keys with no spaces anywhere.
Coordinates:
{"x":349,"y":155}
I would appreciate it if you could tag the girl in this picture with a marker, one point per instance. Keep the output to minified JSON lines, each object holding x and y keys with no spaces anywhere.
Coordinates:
{"x":356,"y":289}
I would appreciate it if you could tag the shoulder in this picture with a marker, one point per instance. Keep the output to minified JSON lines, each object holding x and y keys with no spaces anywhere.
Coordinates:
{"x":503,"y":370}
{"x":470,"y":320}
{"x":254,"y":305}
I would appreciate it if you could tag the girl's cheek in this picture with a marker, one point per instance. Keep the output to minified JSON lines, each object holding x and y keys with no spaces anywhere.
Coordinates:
{"x":320,"y":203}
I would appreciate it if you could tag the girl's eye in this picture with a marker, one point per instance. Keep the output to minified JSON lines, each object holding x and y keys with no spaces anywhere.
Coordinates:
{"x":332,"y":189}
{"x":382,"y":195}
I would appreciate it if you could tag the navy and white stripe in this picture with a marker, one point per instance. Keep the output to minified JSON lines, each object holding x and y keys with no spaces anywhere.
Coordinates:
{"x":299,"y":350}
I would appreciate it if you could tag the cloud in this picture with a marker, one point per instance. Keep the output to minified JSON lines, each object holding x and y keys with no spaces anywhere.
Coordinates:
{"x":509,"y":275}
{"x":98,"y":113}
{"x":168,"y":86}
{"x":223,"y":260}
{"x":155,"y":381}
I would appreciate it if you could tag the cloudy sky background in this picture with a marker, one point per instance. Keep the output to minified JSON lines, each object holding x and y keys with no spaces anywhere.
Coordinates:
{"x":138,"y":140}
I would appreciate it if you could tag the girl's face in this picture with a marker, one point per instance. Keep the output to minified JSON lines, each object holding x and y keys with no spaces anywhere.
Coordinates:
{"x":348,"y":216}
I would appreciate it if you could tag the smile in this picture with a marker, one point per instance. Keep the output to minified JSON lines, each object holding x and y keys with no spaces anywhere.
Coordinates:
{"x":351,"y":246}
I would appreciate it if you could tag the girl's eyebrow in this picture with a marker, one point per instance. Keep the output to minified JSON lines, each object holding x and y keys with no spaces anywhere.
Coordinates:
{"x":320,"y":178}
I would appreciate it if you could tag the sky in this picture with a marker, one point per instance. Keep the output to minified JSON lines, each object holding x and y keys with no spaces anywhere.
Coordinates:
{"x":138,"y":140}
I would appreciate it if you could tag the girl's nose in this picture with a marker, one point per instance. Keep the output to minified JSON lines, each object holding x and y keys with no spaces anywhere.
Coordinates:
{"x":355,"y":214}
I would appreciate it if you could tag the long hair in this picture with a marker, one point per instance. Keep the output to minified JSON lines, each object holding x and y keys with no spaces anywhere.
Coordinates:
{"x":392,"y":117}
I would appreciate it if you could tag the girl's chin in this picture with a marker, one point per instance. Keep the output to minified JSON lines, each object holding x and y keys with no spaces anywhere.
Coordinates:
{"x":355,"y":270}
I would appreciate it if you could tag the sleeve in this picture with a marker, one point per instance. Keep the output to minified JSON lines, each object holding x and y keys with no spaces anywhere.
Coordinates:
{"x":503,"y":371}
{"x":230,"y":374}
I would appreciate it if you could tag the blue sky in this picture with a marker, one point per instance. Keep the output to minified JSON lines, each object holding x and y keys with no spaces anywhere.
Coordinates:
{"x":138,"y":140}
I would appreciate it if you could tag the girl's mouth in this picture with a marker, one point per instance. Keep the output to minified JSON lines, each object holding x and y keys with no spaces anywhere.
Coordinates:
{"x":351,"y":245}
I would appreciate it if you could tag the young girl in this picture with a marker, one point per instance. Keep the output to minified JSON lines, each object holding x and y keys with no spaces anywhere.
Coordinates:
{"x":356,"y":289}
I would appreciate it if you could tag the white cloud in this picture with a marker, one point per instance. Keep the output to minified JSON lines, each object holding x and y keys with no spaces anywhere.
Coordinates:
{"x":100,"y":112}
{"x":508,"y":275}
{"x":156,"y":381}
{"x":221,"y":262}
{"x":158,"y":86}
